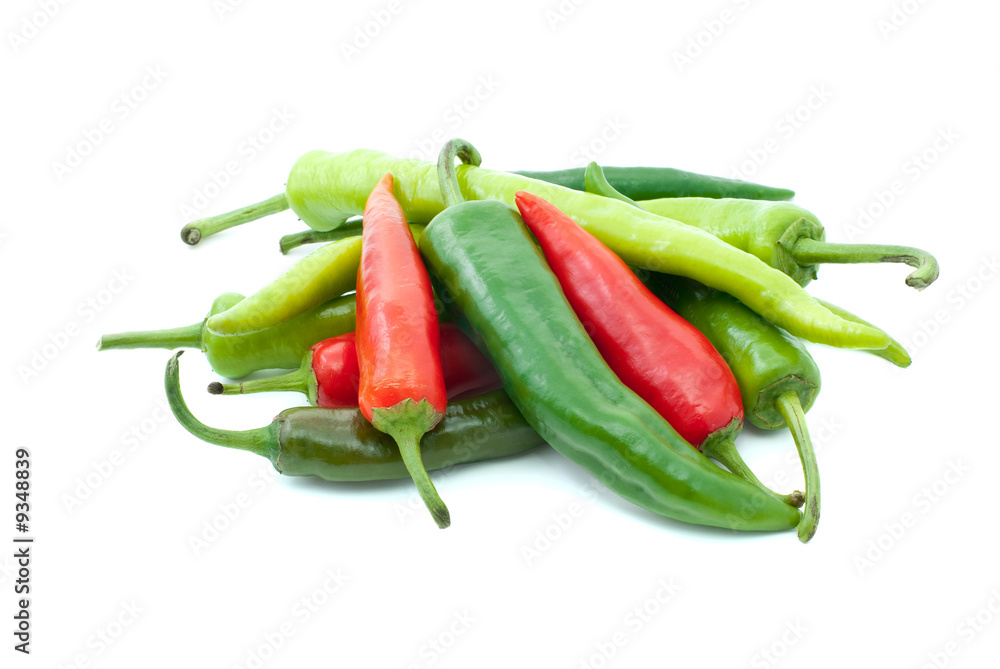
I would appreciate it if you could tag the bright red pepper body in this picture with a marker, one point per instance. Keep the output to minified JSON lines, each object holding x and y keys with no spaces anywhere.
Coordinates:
{"x":335,"y":365}
{"x":401,"y":390}
{"x":655,"y":352}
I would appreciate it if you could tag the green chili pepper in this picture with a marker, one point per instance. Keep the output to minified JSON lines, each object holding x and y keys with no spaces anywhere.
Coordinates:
{"x":777,"y":377}
{"x":642,"y":183}
{"x":280,"y":347}
{"x":325,"y":190}
{"x":786,"y":236}
{"x":894,"y":352}
{"x":503,"y":293}
{"x":647,"y":183}
{"x":327,"y":272}
{"x":340,"y":445}
{"x":597,"y":184}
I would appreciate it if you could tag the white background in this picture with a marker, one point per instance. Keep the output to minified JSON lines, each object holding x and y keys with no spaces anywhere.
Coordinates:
{"x":534,"y":86}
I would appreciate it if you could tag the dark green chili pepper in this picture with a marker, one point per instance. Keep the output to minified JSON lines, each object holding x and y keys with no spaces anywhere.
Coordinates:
{"x":340,"y":445}
{"x":279,"y":347}
{"x":504,"y":295}
{"x":647,"y":183}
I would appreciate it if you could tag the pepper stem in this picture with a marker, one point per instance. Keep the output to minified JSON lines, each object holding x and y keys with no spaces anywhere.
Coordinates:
{"x":791,"y":410}
{"x":262,"y":441}
{"x":406,"y":422}
{"x":195,"y":231}
{"x":808,"y":251}
{"x":352,"y":228}
{"x":724,"y":451}
{"x":297,"y":381}
{"x":447,"y":177}
{"x":188,"y":336}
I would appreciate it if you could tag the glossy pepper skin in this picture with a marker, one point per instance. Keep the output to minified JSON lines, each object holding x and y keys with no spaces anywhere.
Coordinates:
{"x":401,"y":390}
{"x":655,"y":352}
{"x":341,"y":445}
{"x":330,"y":373}
{"x":786,"y":236}
{"x":765,"y":359}
{"x":778,"y":378}
{"x":326,"y":189}
{"x":895,"y":353}
{"x":647,"y":183}
{"x":326,"y":273}
{"x":496,"y":280}
{"x":279,"y":347}
{"x":637,"y":182}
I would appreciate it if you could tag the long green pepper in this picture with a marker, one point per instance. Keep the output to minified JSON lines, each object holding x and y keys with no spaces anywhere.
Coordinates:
{"x":786,"y":236}
{"x":639,"y":182}
{"x":495,"y":279}
{"x":778,"y":379}
{"x":279,"y":347}
{"x":325,"y":190}
{"x":340,"y":445}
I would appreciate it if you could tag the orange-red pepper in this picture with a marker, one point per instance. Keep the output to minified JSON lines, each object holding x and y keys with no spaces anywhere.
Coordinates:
{"x":401,"y":390}
{"x":656,"y":353}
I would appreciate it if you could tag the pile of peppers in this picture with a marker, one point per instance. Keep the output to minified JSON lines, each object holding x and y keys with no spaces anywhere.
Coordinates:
{"x":631,"y":318}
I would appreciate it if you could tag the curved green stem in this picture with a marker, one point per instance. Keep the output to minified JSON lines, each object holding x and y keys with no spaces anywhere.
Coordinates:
{"x":595,"y":182}
{"x":187,"y":336}
{"x":194,"y":232}
{"x":447,"y":178}
{"x":352,"y":228}
{"x":791,"y":410}
{"x":407,"y":422}
{"x":894,"y":353}
{"x":813,"y":252}
{"x":262,"y":441}
{"x":724,"y":451}
{"x":297,"y":381}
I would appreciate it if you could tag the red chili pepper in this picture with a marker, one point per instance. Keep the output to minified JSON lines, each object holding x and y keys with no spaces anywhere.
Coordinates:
{"x":402,"y":389}
{"x":330,"y":373}
{"x":654,"y":352}
{"x":465,"y":369}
